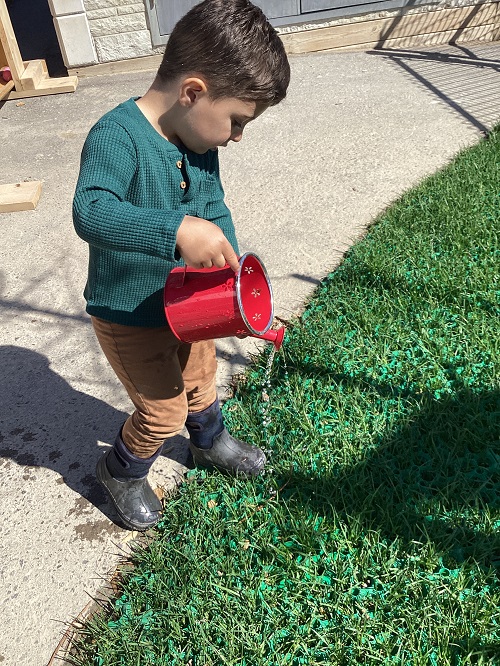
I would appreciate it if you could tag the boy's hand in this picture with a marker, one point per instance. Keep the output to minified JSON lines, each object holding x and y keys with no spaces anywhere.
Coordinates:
{"x":202,"y":245}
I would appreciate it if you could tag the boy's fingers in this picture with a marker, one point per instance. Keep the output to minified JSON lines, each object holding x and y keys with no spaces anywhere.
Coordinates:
{"x":231,"y":258}
{"x":220,"y":262}
{"x":202,"y":244}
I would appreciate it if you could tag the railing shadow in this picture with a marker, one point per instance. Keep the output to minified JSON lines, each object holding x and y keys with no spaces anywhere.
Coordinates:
{"x":427,"y":22}
{"x":452,"y":77}
{"x":465,"y":78}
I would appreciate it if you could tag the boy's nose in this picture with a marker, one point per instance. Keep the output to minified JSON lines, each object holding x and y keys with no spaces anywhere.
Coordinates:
{"x":237,"y":136}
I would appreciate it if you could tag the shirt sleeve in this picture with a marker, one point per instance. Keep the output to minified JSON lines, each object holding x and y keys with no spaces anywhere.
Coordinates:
{"x":101,"y":214}
{"x":216,"y":210}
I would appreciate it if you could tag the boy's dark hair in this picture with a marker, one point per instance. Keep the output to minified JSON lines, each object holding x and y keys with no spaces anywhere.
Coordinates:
{"x":231,"y":44}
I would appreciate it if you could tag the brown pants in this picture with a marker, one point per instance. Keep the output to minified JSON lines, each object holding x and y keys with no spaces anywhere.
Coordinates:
{"x":165,"y":378}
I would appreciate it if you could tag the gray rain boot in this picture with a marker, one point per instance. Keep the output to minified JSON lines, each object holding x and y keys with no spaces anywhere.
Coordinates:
{"x":124,"y":476}
{"x":213,"y":447}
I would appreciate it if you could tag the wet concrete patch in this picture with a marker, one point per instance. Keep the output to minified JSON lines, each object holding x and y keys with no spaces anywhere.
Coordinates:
{"x":97,"y":530}
{"x":93,"y":529}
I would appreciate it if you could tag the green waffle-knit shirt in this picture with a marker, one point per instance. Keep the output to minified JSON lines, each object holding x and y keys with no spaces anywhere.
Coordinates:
{"x":128,"y":205}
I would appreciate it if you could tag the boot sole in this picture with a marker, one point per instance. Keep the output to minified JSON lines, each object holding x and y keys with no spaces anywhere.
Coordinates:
{"x":126,"y":521}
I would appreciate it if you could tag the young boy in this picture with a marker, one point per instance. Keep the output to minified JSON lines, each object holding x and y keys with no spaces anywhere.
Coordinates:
{"x":149,"y":198}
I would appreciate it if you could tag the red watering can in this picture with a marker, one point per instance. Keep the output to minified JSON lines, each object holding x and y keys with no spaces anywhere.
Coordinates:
{"x":209,"y":303}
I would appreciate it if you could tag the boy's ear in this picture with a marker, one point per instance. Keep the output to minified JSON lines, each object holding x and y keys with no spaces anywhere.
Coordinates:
{"x":192,"y":89}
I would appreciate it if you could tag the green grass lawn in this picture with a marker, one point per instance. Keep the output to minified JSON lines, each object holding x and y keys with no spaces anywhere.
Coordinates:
{"x":374,"y":538}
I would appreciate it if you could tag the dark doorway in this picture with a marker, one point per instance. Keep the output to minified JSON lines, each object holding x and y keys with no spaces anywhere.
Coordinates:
{"x":35,"y":33}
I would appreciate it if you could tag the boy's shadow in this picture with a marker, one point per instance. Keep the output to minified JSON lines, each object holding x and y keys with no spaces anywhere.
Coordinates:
{"x":47,"y":423}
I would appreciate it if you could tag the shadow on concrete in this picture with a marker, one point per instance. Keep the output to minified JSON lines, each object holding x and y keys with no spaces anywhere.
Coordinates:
{"x":466,"y":79}
{"x":45,"y":422}
{"x":12,"y":307}
{"x":306,"y":278}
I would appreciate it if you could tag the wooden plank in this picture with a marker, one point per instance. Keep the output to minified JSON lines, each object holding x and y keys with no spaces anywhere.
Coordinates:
{"x":48,"y":86}
{"x":379,"y":30}
{"x":5,"y":88}
{"x":444,"y":20}
{"x":19,"y":196}
{"x":33,"y":74}
{"x":30,"y":78}
{"x":482,"y":33}
{"x":355,"y":34}
{"x":143,"y":64}
{"x":9,"y":45}
{"x":3,"y":57}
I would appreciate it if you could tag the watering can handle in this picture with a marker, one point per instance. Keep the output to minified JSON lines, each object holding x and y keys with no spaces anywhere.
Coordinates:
{"x":177,"y":278}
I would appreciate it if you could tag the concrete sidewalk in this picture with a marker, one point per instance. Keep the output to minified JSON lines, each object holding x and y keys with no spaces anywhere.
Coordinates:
{"x":356,"y":131}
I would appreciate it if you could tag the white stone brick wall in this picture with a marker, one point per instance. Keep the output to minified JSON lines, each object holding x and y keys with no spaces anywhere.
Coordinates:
{"x":119,"y":29}
{"x":73,"y":32}
{"x":101,"y":13}
{"x":131,"y":9}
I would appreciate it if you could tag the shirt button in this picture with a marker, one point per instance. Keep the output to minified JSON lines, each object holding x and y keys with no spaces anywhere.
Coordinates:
{"x":179,"y":164}
{"x":183,"y":185}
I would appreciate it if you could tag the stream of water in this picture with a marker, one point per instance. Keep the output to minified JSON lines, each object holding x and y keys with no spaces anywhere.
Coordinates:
{"x":266,"y":395}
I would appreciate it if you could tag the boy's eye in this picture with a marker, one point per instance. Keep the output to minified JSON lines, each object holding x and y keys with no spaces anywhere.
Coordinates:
{"x":235,"y":123}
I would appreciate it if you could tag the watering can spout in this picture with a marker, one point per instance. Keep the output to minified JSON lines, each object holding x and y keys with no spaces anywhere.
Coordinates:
{"x":276,"y":337}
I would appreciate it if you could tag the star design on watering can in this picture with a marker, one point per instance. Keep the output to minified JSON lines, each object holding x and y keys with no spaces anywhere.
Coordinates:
{"x":257,"y":316}
{"x":228,"y":285}
{"x":256,"y":292}
{"x":248,"y":269}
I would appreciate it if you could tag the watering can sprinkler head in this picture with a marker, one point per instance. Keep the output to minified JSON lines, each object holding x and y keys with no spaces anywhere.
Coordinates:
{"x":274,"y":336}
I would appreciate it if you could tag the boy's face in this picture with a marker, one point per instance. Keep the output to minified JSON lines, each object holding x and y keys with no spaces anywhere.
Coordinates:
{"x":208,"y":123}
